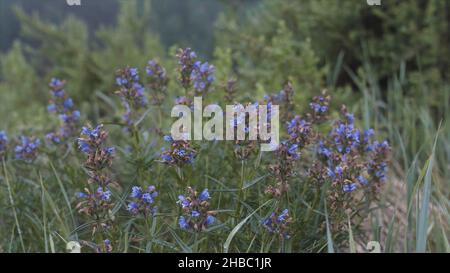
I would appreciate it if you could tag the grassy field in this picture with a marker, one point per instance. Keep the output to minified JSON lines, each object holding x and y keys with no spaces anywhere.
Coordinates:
{"x":333,"y":185}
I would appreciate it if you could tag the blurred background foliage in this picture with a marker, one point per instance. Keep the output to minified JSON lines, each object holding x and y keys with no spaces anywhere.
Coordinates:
{"x":390,"y":64}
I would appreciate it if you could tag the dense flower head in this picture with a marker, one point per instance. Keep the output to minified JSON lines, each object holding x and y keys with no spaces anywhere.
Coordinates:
{"x":62,"y":105}
{"x":300,"y":131}
{"x":27,"y":149}
{"x":92,"y":143}
{"x":202,"y":76}
{"x":157,"y":81}
{"x":143,"y":201}
{"x":320,"y":106}
{"x":3,"y":143}
{"x":240,"y":122}
{"x":377,"y":167}
{"x":351,"y":159}
{"x":278,"y":223}
{"x":186,"y":60}
{"x":196,"y":214}
{"x":94,"y":203}
{"x":107,"y":247}
{"x":179,"y":153}
{"x":283,"y":168}
{"x":131,"y":93}
{"x":285,"y":99}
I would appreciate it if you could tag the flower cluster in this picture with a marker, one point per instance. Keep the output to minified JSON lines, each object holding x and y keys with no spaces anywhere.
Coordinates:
{"x":300,"y":131}
{"x":350,"y":160}
{"x":202,"y":76}
{"x":96,"y":204}
{"x":131,"y":93}
{"x":300,"y":134}
{"x":92,"y":143}
{"x":243,"y":148}
{"x":62,"y":105}
{"x":377,"y":167}
{"x":285,"y":99}
{"x":143,"y":201}
{"x":3,"y":143}
{"x":157,"y":81}
{"x":186,"y":60}
{"x":319,"y":106}
{"x":27,"y":150}
{"x":180,"y":152}
{"x":197,"y":216}
{"x":278,"y":223}
{"x":283,"y":168}
{"x":93,"y":202}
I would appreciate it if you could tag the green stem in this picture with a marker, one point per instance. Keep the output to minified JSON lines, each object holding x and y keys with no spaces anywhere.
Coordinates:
{"x":241,"y":191}
{"x":13,"y":206}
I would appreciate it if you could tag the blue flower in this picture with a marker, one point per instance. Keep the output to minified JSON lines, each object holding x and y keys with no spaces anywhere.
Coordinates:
{"x":110,"y":150}
{"x":132,"y":206}
{"x":27,"y":150}
{"x":68,"y":103}
{"x":362,"y":180}
{"x":210,"y":220}
{"x":195,"y":213}
{"x":82,"y":195}
{"x":204,"y":195}
{"x":104,"y":195}
{"x":183,"y":201}
{"x":136,"y":192}
{"x":183,"y":223}
{"x":147,"y":198}
{"x":51,"y":107}
{"x":168,"y":138}
{"x":3,"y":142}
{"x":84,"y":146}
{"x":349,"y":187}
{"x":282,"y":216}
{"x":166,"y":157}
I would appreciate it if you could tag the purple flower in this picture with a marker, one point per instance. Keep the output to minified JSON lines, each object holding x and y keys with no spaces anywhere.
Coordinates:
{"x":204,"y":195}
{"x":132,"y":206}
{"x":136,"y":192}
{"x":104,"y":195}
{"x":195,"y":213}
{"x":3,"y":142}
{"x":349,"y":187}
{"x":27,"y":149}
{"x":183,"y":223}
{"x":210,"y":220}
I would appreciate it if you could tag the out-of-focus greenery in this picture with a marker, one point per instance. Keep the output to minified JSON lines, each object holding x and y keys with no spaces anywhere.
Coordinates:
{"x":389,"y":64}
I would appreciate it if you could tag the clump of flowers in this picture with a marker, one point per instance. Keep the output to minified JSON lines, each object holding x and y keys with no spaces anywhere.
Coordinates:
{"x":352,"y":162}
{"x":300,"y":134}
{"x":3,"y":143}
{"x":283,"y":169}
{"x":131,"y":92}
{"x":202,"y":76}
{"x":62,"y":105}
{"x":143,"y":201}
{"x":319,"y":106}
{"x":246,"y":147}
{"x":179,"y":153}
{"x":158,"y":81}
{"x":285,"y":99}
{"x":197,"y":216}
{"x":95,"y":201}
{"x":27,"y":149}
{"x":186,"y":61}
{"x":278,"y":223}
